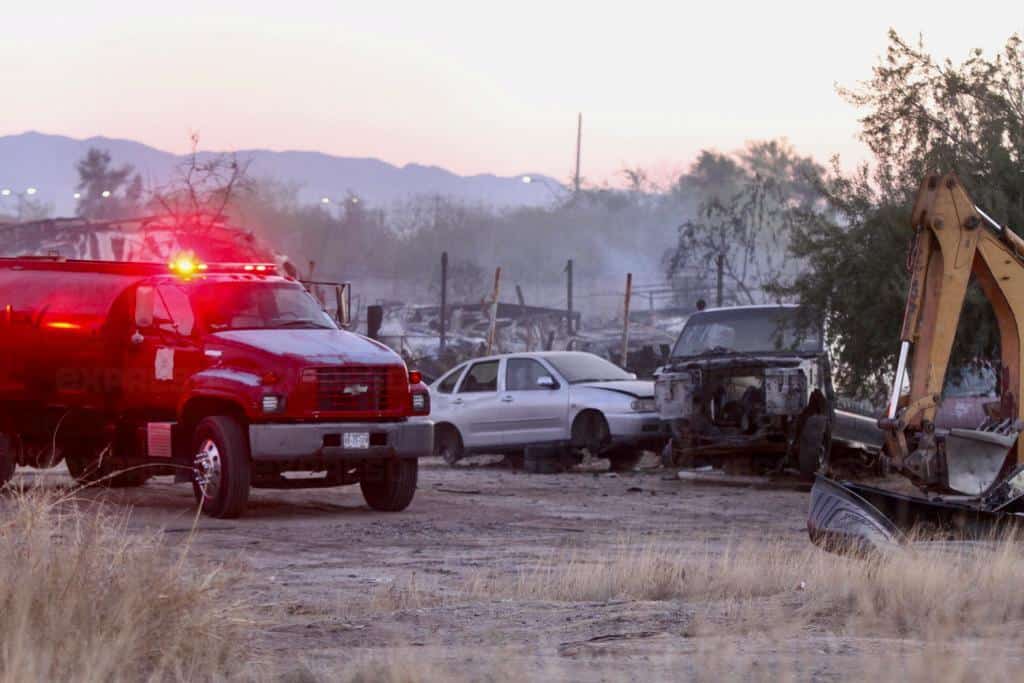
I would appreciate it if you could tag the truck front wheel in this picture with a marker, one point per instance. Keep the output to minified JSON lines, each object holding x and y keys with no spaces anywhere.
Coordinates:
{"x":389,"y":486}
{"x":221,"y":472}
{"x":814,"y":444}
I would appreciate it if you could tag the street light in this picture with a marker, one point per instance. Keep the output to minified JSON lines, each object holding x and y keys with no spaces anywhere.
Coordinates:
{"x":105,"y":194}
{"x":557,"y":191}
{"x":77,"y":195}
{"x":31,"y":191}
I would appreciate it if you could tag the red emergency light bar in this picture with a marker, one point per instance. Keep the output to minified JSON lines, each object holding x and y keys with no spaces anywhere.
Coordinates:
{"x":176,"y":266}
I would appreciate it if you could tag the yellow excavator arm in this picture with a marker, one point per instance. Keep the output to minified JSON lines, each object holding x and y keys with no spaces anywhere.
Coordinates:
{"x":954,"y":240}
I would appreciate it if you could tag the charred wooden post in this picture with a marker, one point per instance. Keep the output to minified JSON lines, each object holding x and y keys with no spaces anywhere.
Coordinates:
{"x":444,"y":300}
{"x":625,"y":320}
{"x":569,"y":316}
{"x":494,"y":310}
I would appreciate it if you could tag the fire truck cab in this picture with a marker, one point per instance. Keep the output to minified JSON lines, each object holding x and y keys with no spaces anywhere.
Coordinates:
{"x":226,"y":376}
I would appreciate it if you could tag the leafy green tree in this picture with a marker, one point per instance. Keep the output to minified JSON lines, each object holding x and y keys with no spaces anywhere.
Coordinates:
{"x":922,"y":116}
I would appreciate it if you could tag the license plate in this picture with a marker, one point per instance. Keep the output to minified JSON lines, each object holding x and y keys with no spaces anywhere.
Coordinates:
{"x":355,"y":440}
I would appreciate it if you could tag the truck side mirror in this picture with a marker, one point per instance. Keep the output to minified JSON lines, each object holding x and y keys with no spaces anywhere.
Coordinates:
{"x":144,"y":307}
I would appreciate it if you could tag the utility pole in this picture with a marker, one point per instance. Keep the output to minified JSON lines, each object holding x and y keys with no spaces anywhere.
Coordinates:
{"x":444,"y":299}
{"x":568,"y":282}
{"x":720,"y":263}
{"x":625,"y":320}
{"x":579,"y":144}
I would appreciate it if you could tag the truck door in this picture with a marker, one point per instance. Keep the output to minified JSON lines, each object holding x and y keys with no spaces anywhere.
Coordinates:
{"x":535,"y":404}
{"x":162,"y":356}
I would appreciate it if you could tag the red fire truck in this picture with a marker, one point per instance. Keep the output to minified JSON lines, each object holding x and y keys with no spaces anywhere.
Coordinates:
{"x":226,"y":376}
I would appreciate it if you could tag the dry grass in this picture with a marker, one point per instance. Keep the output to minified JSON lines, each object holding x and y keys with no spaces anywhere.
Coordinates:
{"x":407,"y":592}
{"x":927,"y":591}
{"x":83,"y":599}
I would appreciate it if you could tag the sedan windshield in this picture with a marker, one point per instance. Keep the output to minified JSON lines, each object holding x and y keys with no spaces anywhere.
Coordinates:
{"x":746,"y":330}
{"x":585,"y":367}
{"x":258,"y":306}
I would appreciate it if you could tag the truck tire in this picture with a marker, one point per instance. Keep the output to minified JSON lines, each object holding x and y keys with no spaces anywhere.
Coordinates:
{"x":82,"y":460}
{"x":448,"y":444}
{"x":390,"y":486}
{"x":814,"y":444}
{"x":623,"y":459}
{"x":6,"y":460}
{"x":221,"y":471}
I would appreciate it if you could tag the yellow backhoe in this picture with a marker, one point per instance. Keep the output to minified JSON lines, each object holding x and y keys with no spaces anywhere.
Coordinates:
{"x":974,"y":476}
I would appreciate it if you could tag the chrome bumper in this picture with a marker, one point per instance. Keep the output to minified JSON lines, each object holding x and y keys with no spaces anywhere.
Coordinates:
{"x":322,"y":440}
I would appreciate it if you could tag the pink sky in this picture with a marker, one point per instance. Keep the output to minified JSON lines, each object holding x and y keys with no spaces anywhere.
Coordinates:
{"x":474,"y":87}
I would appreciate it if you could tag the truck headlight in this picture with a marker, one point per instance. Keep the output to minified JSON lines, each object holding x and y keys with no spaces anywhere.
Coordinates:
{"x":272,"y":404}
{"x":421,"y":403}
{"x":643,"y":405}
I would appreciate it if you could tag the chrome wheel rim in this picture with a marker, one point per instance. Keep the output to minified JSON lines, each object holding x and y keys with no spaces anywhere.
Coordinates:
{"x":207,"y":468}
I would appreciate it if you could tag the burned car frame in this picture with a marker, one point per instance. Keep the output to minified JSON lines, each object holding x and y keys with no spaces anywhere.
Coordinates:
{"x":749,"y":381}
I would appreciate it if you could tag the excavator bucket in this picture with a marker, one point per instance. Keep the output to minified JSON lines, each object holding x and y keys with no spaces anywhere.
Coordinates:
{"x":842,"y":521}
{"x":847,"y":517}
{"x":974,"y":459}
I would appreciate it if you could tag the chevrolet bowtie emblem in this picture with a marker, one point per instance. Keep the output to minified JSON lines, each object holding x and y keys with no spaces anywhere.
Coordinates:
{"x":355,"y":389}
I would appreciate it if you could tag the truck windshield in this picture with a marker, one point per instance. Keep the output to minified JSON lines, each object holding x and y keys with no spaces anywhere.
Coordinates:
{"x":258,"y":306}
{"x":746,"y":330}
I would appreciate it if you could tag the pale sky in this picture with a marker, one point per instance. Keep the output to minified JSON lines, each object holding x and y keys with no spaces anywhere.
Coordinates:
{"x":471,"y":86}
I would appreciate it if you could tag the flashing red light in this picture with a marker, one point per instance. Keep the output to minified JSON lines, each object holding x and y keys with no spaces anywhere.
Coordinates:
{"x":415,"y":377}
{"x":185,"y":265}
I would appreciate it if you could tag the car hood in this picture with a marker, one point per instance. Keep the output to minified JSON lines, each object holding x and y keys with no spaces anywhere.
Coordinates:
{"x":330,"y":347}
{"x":638,"y":388}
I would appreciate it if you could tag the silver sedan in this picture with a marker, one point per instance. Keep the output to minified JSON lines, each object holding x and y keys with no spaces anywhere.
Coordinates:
{"x":567,"y":401}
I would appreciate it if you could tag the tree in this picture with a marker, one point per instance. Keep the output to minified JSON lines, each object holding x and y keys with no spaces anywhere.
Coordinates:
{"x":106,"y":191}
{"x":744,"y":218}
{"x":203,"y":187}
{"x":922,"y":117}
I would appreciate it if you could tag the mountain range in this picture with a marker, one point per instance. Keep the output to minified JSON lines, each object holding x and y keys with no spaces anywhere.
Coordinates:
{"x":47,"y":163}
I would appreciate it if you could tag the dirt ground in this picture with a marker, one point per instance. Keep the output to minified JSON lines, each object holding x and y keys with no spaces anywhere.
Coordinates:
{"x":338,"y":581}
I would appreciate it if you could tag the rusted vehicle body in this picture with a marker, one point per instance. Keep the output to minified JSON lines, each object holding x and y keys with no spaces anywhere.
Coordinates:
{"x":748,"y":381}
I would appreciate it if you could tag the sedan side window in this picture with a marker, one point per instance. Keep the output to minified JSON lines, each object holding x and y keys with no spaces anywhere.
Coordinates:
{"x":482,"y":377}
{"x":523,"y":374}
{"x":447,"y":385}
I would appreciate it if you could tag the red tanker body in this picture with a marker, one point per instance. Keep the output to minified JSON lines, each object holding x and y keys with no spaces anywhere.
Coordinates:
{"x":225,"y":376}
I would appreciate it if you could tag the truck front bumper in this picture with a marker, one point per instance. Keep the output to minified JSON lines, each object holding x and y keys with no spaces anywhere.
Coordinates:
{"x":642,"y":430}
{"x":323,"y":441}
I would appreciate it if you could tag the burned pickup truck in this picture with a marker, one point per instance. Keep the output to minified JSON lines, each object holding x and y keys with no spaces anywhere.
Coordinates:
{"x":747,"y":382}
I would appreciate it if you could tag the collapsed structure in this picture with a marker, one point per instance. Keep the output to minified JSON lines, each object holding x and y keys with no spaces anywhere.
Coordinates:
{"x":149,"y":239}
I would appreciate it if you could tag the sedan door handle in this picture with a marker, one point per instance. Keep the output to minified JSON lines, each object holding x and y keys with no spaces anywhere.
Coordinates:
{"x":456,"y":401}
{"x":507,"y":399}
